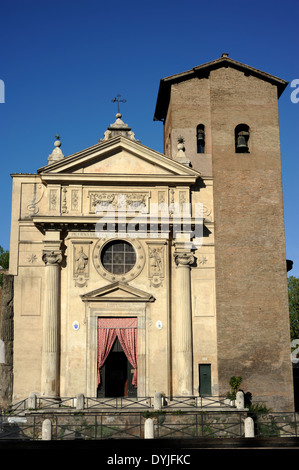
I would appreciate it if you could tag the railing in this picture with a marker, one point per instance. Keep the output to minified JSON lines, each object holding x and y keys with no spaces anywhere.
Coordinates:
{"x":67,"y":426}
{"x":195,"y":402}
{"x":118,"y":403}
{"x":19,"y":428}
{"x":174,"y":416}
{"x":44,"y":403}
{"x":17,"y":408}
{"x":201,"y":425}
{"x":98,"y":427}
{"x":41,"y":403}
{"x":276,"y":425}
{"x":131,"y":425}
{"x":92,"y":403}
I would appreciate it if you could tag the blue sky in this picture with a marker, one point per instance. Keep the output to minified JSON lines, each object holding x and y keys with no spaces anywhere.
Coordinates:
{"x":63,"y":61}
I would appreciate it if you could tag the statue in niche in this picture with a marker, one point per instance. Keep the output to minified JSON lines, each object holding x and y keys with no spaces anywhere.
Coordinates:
{"x":81,"y":261}
{"x":155,"y":261}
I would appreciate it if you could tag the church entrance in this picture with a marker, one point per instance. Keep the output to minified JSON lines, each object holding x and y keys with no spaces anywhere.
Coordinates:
{"x":117,"y":357}
{"x":116,"y":377}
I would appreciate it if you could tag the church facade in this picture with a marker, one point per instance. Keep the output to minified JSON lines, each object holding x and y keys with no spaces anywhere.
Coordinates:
{"x":138,"y":272}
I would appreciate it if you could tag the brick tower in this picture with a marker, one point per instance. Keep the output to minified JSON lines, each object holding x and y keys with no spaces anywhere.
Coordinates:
{"x":227,"y":113}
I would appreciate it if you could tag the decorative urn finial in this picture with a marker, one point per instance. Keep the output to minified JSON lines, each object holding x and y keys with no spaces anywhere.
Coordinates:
{"x":57,"y":154}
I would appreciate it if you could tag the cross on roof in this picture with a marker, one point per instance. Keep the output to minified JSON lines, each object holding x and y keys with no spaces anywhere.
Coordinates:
{"x":118,"y":100}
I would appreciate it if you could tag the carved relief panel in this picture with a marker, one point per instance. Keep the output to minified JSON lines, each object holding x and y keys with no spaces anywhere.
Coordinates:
{"x":119,"y":201}
{"x":31,"y":197}
{"x":76,"y":199}
{"x":64,"y":199}
{"x":54,"y":199}
{"x":179,"y":199}
{"x":81,"y":262}
{"x":156,"y":262}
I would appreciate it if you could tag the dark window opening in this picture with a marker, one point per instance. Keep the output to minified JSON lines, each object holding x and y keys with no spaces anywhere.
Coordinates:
{"x":200,"y":138}
{"x":242,"y":135}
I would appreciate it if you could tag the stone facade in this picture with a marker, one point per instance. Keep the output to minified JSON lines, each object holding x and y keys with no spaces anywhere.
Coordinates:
{"x":215,"y":296}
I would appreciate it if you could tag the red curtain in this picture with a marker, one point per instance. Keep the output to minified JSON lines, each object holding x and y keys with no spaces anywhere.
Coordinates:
{"x":126,"y":330}
{"x":128,"y":340}
{"x":106,"y":338}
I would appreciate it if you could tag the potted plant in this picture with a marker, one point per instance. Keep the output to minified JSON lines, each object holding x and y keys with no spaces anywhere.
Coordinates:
{"x":234,"y":383}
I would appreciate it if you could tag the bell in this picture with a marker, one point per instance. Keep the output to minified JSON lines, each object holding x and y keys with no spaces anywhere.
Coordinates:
{"x":200,"y":136}
{"x":241,"y":143}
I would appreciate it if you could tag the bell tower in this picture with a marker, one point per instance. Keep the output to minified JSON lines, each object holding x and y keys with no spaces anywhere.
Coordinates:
{"x":227,"y":114}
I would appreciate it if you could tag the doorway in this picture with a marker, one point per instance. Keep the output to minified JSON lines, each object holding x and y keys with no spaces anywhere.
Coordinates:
{"x":116,"y":375}
{"x":116,"y":381}
{"x":204,"y":373}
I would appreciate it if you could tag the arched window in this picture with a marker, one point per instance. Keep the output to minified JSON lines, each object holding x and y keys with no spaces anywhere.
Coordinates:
{"x":200,"y":138}
{"x":242,"y":135}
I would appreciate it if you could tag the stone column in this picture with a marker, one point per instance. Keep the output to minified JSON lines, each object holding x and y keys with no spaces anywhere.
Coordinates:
{"x":240,"y":400}
{"x":80,"y":402}
{"x":184,"y":356}
{"x":158,"y":401}
{"x":47,"y":430}
{"x":149,"y":429}
{"x":50,"y":359}
{"x":249,"y":427}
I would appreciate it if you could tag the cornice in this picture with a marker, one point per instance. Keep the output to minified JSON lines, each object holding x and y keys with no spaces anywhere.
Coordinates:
{"x":96,"y":178}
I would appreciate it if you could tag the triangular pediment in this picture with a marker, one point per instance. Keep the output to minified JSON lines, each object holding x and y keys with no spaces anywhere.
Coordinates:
{"x":117,"y":157}
{"x":118,"y":291}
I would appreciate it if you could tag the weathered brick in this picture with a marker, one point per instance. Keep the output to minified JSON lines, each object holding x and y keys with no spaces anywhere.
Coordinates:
{"x":253,"y":338}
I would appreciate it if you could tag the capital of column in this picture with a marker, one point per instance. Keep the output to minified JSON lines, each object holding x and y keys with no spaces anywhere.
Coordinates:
{"x":52,"y":258}
{"x":184,"y":259}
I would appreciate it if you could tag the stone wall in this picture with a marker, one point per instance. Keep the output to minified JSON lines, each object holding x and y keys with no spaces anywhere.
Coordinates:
{"x":6,"y":341}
